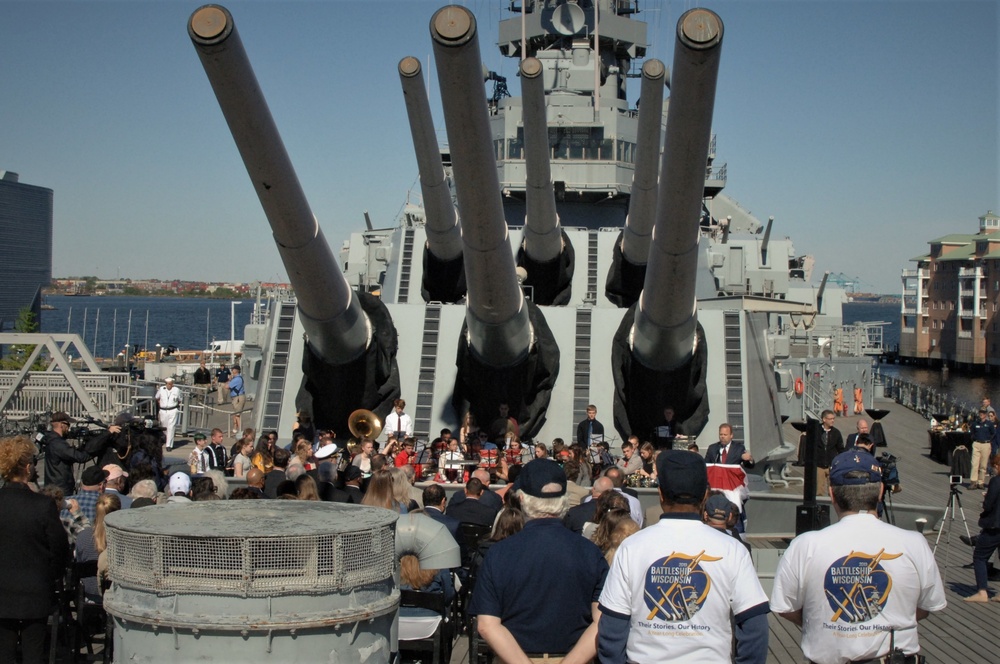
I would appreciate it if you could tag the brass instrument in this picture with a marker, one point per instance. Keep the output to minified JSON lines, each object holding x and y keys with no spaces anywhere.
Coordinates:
{"x":364,"y":424}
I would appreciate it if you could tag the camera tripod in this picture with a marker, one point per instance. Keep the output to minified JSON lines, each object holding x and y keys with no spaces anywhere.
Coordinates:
{"x":885,"y":506}
{"x":954,"y":502}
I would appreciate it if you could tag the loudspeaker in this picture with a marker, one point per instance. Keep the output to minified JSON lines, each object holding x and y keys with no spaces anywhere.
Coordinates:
{"x":811,"y":517}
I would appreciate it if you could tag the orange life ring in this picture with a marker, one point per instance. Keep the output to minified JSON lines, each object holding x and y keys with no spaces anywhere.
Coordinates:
{"x":799,"y":387}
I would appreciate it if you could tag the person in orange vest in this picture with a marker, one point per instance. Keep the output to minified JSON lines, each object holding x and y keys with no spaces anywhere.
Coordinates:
{"x":838,"y":402}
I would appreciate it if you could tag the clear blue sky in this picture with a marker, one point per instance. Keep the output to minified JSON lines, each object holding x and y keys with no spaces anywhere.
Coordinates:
{"x":865,"y":128}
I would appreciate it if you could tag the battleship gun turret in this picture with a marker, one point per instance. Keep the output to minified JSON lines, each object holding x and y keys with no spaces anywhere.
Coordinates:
{"x":696,"y":302}
{"x":506,"y":352}
{"x":667,"y":362}
{"x":546,"y":253}
{"x":349,"y":361}
{"x":628,"y":271}
{"x":444,"y":272}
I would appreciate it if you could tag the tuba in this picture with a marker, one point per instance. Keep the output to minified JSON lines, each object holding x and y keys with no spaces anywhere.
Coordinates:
{"x":364,"y":424}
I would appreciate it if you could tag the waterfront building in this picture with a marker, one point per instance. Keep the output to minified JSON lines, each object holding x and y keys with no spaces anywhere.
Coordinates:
{"x":25,"y":246}
{"x":949,"y":313}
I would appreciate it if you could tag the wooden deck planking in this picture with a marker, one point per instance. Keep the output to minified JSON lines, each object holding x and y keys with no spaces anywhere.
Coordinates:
{"x":963,"y":631}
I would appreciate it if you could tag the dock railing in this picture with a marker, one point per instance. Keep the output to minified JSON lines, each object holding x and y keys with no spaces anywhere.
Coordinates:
{"x":927,"y":401}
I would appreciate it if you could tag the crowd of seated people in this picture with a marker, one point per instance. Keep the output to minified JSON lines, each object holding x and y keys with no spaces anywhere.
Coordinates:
{"x":601,"y":505}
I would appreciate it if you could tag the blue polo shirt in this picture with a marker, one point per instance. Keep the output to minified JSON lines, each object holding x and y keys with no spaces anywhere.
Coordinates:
{"x":546,"y":604}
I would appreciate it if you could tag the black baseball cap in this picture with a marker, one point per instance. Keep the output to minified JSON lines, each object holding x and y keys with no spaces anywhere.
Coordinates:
{"x":93,"y":476}
{"x":681,"y":474}
{"x":538,"y":474}
{"x":61,"y":417}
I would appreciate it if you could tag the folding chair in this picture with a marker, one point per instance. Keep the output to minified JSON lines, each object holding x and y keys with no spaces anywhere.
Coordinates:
{"x":426,"y":633}
{"x":86,"y":607}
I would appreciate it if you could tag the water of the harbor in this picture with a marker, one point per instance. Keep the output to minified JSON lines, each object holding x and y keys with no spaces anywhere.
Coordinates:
{"x":968,"y":388}
{"x":187,"y":323}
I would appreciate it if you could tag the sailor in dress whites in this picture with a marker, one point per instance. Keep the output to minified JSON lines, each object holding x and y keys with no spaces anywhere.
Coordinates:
{"x":168,"y":398}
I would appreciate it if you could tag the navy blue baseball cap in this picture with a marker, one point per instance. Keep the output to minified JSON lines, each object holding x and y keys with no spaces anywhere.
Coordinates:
{"x":854,"y":467}
{"x":538,"y":474}
{"x":719,"y":507}
{"x":681,"y":473}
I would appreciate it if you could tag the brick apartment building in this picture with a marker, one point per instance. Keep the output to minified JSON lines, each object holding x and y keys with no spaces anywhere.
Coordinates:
{"x":950,"y":300}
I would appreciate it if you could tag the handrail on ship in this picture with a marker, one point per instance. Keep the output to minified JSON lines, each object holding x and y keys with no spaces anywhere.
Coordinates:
{"x":927,"y":401}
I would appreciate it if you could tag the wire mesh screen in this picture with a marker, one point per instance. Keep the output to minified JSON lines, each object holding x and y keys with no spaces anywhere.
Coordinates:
{"x":251,"y":548}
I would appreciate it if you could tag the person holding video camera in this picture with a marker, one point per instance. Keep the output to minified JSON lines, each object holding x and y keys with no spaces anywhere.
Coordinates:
{"x":60,"y":455}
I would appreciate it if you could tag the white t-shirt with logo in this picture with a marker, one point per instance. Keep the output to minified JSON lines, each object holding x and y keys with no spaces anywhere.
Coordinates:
{"x":854,"y":581}
{"x":679,"y":581}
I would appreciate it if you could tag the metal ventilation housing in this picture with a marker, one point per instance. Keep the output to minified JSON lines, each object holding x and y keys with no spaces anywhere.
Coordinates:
{"x":275,"y":580}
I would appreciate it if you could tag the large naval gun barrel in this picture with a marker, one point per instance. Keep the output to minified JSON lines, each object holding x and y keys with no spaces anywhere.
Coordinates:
{"x":626,"y":278}
{"x":542,"y":254}
{"x":499,"y":360}
{"x":444,"y":276}
{"x":666,"y":366}
{"x":336,"y":320}
{"x":666,"y":318}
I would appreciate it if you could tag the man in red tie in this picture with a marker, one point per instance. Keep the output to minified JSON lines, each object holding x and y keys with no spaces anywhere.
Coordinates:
{"x":727,"y":451}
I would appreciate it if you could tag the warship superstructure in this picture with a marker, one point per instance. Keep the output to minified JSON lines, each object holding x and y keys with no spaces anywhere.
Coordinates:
{"x":571,"y":247}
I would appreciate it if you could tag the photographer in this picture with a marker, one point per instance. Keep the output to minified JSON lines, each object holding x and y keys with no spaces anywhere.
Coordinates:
{"x":60,"y":455}
{"x":119,"y":439}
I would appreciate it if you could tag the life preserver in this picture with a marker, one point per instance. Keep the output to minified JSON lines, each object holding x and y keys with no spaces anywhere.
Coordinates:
{"x":859,"y":402}
{"x":799,"y":387}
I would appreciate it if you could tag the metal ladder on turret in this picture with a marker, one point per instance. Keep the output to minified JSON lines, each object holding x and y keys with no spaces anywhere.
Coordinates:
{"x":734,"y":374}
{"x":428,"y":368}
{"x":277,"y":369}
{"x":581,"y":363}
{"x":405,"y":263}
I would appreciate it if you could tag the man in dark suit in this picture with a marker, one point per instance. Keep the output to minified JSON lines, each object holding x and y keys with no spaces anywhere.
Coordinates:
{"x":472,"y":509}
{"x":578,"y":515}
{"x":726,"y":451}
{"x":277,"y":475}
{"x":829,"y":445}
{"x":352,"y":484}
{"x":434,"y":504}
{"x":590,"y":429}
{"x":862,"y":429}
{"x":489,"y":497}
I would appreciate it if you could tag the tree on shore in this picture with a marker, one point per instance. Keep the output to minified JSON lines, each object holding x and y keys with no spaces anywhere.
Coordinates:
{"x":17,"y":354}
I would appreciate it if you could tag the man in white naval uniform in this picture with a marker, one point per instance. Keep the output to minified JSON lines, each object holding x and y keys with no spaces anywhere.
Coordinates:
{"x":168,"y":398}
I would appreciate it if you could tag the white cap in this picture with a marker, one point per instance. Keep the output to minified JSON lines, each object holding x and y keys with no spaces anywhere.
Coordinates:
{"x":168,"y":379}
{"x":179,"y":483}
{"x":326,"y":451}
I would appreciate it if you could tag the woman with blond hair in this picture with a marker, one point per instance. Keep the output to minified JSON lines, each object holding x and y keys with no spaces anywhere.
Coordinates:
{"x":401,"y":489}
{"x":381,"y":493}
{"x":306,"y":488}
{"x":412,"y":577}
{"x":301,"y":453}
{"x":612,"y":531}
{"x":34,"y":550}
